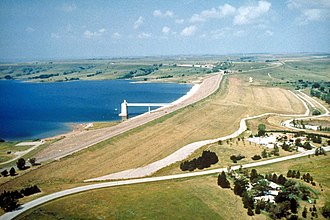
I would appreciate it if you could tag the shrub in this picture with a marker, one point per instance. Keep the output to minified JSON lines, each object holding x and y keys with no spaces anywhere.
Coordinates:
{"x":256,"y":157}
{"x":235,"y":158}
{"x":222,"y":180}
{"x":4,"y":173}
{"x":20,"y":164}
{"x":12,"y":171}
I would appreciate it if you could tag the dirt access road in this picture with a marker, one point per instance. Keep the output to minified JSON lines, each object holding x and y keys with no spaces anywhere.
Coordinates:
{"x":78,"y":140}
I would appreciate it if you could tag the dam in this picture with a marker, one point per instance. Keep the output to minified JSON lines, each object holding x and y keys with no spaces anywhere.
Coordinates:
{"x":125,"y":105}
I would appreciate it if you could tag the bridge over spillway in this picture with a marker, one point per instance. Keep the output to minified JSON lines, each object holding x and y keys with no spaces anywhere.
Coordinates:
{"x":125,"y":105}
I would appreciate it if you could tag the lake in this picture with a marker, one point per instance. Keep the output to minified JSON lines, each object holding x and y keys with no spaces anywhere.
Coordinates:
{"x":37,"y":110}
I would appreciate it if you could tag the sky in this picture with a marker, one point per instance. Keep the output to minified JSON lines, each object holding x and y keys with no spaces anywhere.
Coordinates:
{"x":56,"y":29}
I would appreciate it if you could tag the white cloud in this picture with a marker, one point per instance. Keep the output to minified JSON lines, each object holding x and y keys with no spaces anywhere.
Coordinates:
{"x":179,"y":21}
{"x":196,"y":18}
{"x":309,"y":15}
{"x":144,"y":35}
{"x":166,"y":30}
{"x":216,"y":34}
{"x":138,"y":22}
{"x":90,"y":34}
{"x":226,"y":31}
{"x":68,"y":7}
{"x":159,"y":13}
{"x":269,"y":33}
{"x":116,"y":35}
{"x":250,"y":14}
{"x":189,"y":31}
{"x":55,"y":35}
{"x":239,"y":33}
{"x":303,"y":4}
{"x":226,"y":10}
{"x":310,"y":11}
{"x":312,"y":14}
{"x":29,"y":29}
{"x":220,"y":12}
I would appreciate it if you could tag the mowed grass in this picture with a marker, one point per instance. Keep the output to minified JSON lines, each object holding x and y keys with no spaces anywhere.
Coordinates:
{"x":7,"y":150}
{"x":217,"y":116}
{"x":193,"y":198}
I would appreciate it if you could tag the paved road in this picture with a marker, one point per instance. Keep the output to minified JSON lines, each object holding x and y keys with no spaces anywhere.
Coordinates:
{"x":44,"y":199}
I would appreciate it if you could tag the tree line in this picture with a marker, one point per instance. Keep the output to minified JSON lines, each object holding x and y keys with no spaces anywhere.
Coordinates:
{"x":9,"y":199}
{"x":206,"y":160}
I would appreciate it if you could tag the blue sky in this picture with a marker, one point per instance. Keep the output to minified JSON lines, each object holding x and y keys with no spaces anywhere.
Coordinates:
{"x":31,"y":29}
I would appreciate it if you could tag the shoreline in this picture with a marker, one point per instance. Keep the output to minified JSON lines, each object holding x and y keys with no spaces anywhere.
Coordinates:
{"x":75,"y":141}
{"x":65,"y":128}
{"x":79,"y":126}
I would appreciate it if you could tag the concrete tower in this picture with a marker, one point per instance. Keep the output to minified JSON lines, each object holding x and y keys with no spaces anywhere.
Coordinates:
{"x":124,"y":112}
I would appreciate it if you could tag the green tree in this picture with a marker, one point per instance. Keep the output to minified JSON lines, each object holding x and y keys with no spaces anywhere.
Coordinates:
{"x":4,"y":173}
{"x":33,"y":161}
{"x":264,"y":153}
{"x":222,"y":180}
{"x":261,"y":129}
{"x":240,"y":186}
{"x":250,"y":212}
{"x":281,"y":179}
{"x":20,"y":164}
{"x":258,"y":209}
{"x":8,"y":201}
{"x":247,"y":199}
{"x":304,"y":213}
{"x":253,"y":175}
{"x":326,"y":210}
{"x":12,"y":171}
{"x":276,"y":151}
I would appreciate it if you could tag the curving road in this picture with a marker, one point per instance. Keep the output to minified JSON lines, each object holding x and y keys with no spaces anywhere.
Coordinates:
{"x":187,"y":150}
{"x":44,"y":199}
{"x":192,"y":146}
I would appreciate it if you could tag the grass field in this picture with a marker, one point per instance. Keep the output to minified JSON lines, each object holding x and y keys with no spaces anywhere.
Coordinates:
{"x":193,"y":198}
{"x":6,"y":147}
{"x":100,"y":70}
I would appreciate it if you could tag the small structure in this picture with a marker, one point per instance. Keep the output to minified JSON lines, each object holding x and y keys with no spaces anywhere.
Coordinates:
{"x":125,"y":105}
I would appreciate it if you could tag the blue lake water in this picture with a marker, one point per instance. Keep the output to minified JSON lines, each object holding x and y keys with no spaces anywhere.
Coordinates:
{"x":38,"y":110}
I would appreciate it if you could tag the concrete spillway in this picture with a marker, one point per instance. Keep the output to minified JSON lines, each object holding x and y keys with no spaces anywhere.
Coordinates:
{"x":125,"y":105}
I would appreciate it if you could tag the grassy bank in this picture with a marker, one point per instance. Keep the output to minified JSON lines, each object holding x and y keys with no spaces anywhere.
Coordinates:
{"x":193,"y":198}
